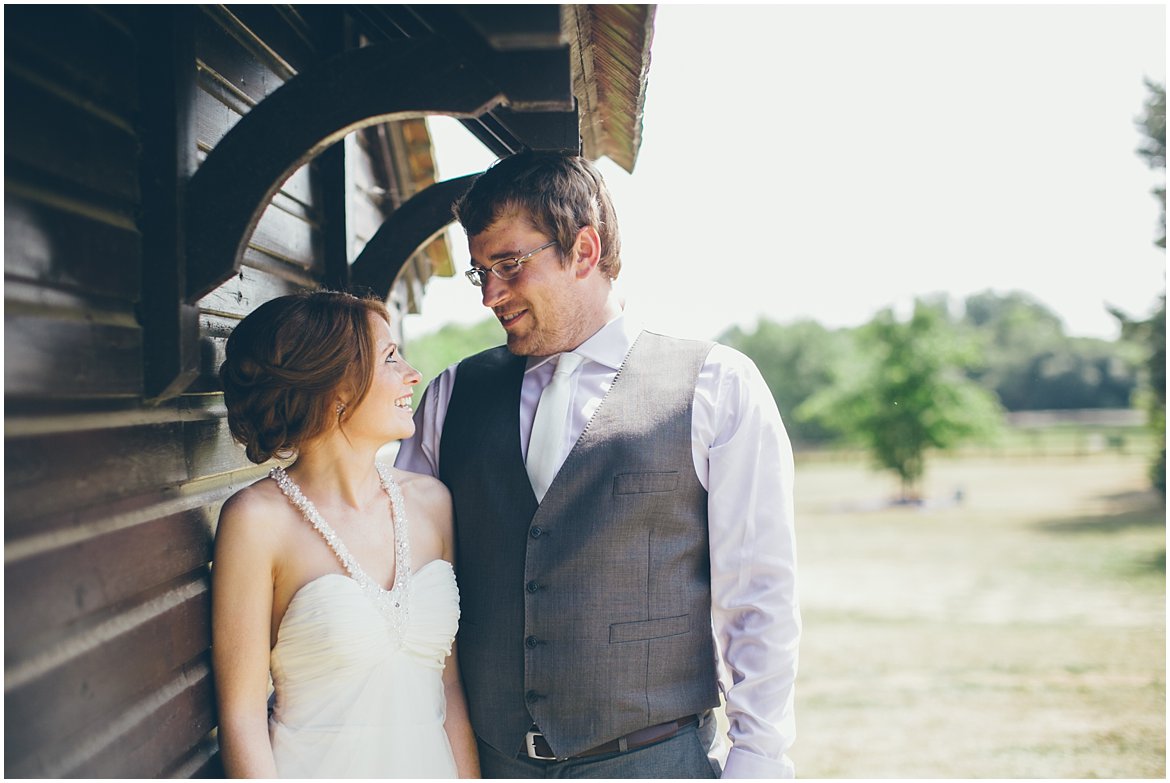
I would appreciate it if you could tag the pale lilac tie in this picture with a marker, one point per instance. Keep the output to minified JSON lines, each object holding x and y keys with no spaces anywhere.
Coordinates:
{"x":548,"y":428}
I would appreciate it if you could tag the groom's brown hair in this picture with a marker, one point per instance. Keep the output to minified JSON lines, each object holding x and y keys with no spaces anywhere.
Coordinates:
{"x":560,"y":192}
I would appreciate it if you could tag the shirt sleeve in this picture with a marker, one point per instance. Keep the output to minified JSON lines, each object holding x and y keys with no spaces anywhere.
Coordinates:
{"x":420,"y":452}
{"x":754,"y":605}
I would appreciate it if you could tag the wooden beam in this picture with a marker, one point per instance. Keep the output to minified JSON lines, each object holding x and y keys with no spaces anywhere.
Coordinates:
{"x":307,"y":114}
{"x":407,"y":230}
{"x":540,"y":130}
{"x":509,"y":27}
{"x":330,"y":166}
{"x":170,"y":327}
{"x":505,"y":131}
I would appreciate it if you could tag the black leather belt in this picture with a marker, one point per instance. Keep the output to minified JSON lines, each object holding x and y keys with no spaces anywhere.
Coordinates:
{"x":537,"y":747}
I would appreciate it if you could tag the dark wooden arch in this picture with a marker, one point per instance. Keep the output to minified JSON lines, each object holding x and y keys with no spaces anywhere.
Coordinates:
{"x":409,"y":228}
{"x":313,"y":110}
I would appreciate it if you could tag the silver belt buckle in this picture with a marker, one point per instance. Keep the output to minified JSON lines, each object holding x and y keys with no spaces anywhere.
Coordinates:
{"x":530,"y":746}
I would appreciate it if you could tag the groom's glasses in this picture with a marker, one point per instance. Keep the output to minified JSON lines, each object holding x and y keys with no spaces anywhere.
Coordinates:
{"x":505,"y":269}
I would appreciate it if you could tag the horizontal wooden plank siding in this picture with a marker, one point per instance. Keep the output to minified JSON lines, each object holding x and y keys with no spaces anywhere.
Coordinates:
{"x":68,"y":688}
{"x":141,"y":742}
{"x":111,"y":500}
{"x":95,"y":566}
{"x":49,"y":356}
{"x":55,"y":473}
{"x":70,"y":248}
{"x":110,"y":504}
{"x":70,"y":146}
{"x":90,"y":53}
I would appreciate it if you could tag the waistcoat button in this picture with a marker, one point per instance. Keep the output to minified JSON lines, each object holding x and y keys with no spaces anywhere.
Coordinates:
{"x":532,"y":696}
{"x":531,"y":641}
{"x":532,"y":586}
{"x":535,"y":532}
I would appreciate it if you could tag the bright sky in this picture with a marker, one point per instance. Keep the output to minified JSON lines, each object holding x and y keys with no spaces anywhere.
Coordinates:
{"x":826,"y":162}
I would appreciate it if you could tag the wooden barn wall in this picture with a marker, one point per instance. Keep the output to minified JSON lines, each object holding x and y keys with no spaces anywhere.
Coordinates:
{"x":110,"y":503}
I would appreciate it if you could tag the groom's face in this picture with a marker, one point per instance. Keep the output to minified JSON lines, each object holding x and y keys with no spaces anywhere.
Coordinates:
{"x":541,"y":309}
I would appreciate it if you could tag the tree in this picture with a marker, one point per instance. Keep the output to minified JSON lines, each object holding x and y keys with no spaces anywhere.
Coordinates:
{"x":1151,"y":333}
{"x":796,"y":360}
{"x":912,"y":397}
{"x":435,"y":352}
{"x":1152,"y":124}
{"x":1031,"y":364}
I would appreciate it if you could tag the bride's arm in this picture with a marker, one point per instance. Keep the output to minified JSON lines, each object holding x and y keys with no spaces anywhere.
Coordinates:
{"x":241,"y":616}
{"x":458,"y":725}
{"x":437,"y":502}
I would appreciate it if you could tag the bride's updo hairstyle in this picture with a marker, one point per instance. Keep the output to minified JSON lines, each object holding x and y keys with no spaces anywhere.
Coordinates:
{"x":289,"y":360}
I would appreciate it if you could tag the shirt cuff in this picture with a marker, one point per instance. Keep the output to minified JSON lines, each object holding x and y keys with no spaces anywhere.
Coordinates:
{"x":744,"y":764}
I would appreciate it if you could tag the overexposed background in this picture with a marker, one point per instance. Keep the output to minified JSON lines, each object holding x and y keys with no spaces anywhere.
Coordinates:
{"x":825,"y":162}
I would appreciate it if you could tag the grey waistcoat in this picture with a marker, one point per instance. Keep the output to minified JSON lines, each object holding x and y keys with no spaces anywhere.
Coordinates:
{"x":590,"y":615}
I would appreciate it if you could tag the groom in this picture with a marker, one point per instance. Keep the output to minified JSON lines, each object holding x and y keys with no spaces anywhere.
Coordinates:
{"x":623,"y":506}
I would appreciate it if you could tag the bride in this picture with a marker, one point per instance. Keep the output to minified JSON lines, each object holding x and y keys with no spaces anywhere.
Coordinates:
{"x":332,"y":579}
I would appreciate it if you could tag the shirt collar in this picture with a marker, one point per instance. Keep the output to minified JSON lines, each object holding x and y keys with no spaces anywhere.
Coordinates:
{"x":608,"y":345}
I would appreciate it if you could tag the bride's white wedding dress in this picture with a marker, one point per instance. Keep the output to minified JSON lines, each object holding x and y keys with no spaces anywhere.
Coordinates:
{"x":357,"y":669}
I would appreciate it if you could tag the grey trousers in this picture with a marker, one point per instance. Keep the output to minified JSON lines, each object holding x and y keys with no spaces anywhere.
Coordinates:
{"x":682,"y":756}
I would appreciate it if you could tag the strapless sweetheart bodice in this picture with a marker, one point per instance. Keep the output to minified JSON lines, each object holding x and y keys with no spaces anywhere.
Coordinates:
{"x":357,"y":670}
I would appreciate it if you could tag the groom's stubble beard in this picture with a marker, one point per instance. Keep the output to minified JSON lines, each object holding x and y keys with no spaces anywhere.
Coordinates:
{"x":561,"y":324}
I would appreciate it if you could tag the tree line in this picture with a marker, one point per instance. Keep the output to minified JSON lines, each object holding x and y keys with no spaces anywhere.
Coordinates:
{"x":1008,"y":351}
{"x":904,"y":387}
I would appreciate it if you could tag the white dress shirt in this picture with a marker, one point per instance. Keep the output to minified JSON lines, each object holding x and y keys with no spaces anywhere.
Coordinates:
{"x":743,"y":458}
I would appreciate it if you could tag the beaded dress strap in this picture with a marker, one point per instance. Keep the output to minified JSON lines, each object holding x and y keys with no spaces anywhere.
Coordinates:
{"x":391,"y":602}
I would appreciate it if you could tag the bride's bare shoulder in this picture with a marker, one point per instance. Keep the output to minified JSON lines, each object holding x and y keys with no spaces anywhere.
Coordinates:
{"x":255,"y":512}
{"x":422,"y":490}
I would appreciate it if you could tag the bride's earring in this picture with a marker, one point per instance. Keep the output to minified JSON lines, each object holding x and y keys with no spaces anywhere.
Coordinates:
{"x":340,"y":409}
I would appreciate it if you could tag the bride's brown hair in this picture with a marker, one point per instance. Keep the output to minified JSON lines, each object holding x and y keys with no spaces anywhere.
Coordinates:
{"x":289,"y":360}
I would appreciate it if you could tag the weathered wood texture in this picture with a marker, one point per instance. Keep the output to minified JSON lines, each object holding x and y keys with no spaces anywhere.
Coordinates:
{"x":110,"y":502}
{"x":410,"y":227}
{"x":611,"y":45}
{"x":356,"y":89}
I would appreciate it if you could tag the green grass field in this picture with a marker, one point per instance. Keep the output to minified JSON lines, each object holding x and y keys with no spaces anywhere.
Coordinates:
{"x":1019,"y":633}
